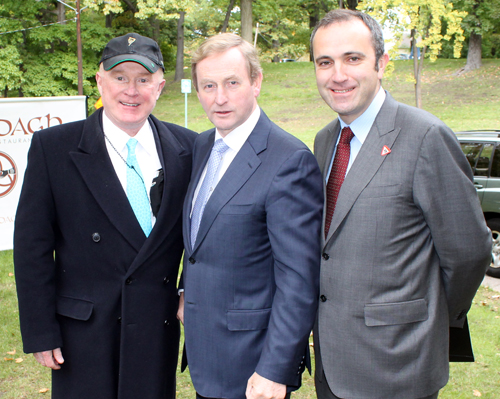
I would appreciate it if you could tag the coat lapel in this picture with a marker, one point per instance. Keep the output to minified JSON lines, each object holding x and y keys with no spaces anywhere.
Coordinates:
{"x":241,"y":169}
{"x":170,"y":152}
{"x":367,"y":163}
{"x":97,"y":171}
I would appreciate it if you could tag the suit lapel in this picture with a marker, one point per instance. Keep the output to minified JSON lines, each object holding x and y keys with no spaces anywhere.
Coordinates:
{"x":202,"y":152}
{"x":326,"y":142}
{"x":367,"y":163}
{"x":97,"y":171}
{"x":241,"y":169}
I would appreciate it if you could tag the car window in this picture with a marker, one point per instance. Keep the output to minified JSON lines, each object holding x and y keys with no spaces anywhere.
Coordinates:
{"x":479,"y":156}
{"x":495,"y":165}
{"x":483,"y":161}
{"x":471,"y":152}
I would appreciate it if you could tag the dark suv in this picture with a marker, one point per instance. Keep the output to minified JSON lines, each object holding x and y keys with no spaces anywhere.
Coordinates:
{"x":482,"y":149}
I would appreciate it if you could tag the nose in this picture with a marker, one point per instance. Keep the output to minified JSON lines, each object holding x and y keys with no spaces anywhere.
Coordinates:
{"x":338,"y":73}
{"x":131,"y":89}
{"x":220,"y":96}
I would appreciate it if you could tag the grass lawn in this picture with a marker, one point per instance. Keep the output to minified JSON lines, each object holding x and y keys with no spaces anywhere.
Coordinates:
{"x":290,"y":98}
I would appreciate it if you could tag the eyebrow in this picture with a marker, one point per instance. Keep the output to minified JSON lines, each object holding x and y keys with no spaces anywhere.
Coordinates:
{"x":347,"y":54}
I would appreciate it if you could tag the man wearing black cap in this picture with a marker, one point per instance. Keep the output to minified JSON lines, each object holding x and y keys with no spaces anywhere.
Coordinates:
{"x":98,"y":239}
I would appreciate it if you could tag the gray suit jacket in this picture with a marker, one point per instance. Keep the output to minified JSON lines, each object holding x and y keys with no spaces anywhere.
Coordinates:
{"x":405,"y":254}
{"x":251,"y":281}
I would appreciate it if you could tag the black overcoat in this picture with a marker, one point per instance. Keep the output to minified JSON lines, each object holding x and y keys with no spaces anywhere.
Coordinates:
{"x":88,"y":279}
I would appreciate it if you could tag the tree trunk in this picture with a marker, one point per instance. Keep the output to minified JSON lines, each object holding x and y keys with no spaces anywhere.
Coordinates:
{"x":109,"y":20}
{"x":246,"y":20}
{"x":228,"y":15}
{"x":419,"y":64}
{"x":155,"y":24}
{"x":61,"y":13}
{"x":131,"y":6}
{"x":6,"y":92}
{"x":179,"y":62}
{"x":341,"y":3}
{"x":417,"y":69}
{"x":352,"y":4}
{"x":474,"y":52}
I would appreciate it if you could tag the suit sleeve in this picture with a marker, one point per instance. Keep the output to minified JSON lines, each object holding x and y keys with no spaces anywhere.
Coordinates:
{"x":443,"y":189}
{"x":34,"y":245}
{"x":294,"y":208}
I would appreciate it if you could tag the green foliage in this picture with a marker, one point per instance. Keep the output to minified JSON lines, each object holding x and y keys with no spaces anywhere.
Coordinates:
{"x":483,"y":18}
{"x":425,"y":17}
{"x":39,"y":56}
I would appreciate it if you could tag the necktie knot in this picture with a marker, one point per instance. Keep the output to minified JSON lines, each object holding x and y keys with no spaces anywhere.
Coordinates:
{"x":220,"y":146}
{"x":131,"y":144}
{"x":346,"y":136}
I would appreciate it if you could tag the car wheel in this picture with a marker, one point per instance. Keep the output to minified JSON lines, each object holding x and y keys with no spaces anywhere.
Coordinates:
{"x":494,"y":268}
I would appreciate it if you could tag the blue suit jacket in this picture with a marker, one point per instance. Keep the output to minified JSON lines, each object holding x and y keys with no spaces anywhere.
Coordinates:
{"x":251,"y":280}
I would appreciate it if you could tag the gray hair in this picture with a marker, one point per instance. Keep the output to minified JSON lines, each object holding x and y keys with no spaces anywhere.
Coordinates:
{"x":221,"y":43}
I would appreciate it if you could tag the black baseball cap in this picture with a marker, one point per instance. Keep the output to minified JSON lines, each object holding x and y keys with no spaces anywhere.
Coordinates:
{"x":132,"y":47}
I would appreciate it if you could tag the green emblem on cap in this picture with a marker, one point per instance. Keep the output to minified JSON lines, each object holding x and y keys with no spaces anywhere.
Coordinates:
{"x":152,"y":64}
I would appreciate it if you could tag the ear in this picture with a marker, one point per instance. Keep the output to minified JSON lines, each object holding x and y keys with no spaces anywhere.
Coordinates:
{"x":98,"y":79}
{"x":160,"y":88}
{"x":382,"y":63}
{"x":257,"y":84}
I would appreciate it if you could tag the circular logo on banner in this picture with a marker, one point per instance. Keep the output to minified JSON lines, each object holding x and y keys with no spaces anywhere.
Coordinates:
{"x":8,"y":174}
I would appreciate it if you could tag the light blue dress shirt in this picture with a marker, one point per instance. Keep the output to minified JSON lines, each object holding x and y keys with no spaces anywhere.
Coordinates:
{"x":360,"y":127}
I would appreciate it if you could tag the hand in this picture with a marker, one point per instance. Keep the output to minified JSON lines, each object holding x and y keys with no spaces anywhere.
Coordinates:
{"x":52,"y":359}
{"x":261,"y":388}
{"x":180,"y":311}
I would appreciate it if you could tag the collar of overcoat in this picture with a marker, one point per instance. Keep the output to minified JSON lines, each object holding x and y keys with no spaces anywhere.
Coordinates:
{"x":96,"y":169}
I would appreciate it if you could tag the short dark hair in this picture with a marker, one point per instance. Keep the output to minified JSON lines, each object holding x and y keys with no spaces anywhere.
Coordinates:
{"x":344,"y":15}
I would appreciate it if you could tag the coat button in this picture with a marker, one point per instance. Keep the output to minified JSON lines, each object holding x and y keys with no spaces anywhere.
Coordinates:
{"x":192,"y":260}
{"x":167,"y":323}
{"x":166,"y":281}
{"x":128,"y":281}
{"x":119,"y":320}
{"x":326,"y":256}
{"x":322,"y":298}
{"x":96,"y":237}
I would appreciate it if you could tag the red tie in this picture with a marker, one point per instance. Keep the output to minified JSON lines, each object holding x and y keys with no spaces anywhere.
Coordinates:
{"x":337,"y":174}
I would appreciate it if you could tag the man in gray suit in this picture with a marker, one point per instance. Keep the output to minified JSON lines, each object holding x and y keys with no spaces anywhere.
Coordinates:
{"x":405,"y":245}
{"x":252,"y":219}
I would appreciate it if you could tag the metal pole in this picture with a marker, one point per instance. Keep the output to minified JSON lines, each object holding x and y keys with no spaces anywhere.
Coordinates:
{"x":256,"y":34}
{"x":185,"y":110}
{"x":79,"y":49}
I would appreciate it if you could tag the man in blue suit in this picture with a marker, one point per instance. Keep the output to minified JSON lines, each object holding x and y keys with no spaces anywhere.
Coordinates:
{"x":252,"y":217}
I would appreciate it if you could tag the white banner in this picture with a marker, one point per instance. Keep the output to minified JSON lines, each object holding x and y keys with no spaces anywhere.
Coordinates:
{"x":19,"y":119}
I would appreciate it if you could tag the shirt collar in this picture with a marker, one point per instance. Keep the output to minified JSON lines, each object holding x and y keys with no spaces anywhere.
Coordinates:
{"x":362,"y":124}
{"x":239,"y":135}
{"x":119,"y":138}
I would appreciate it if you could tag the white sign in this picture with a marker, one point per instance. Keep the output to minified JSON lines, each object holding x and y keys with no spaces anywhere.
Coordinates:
{"x":19,"y":119}
{"x":186,"y":86}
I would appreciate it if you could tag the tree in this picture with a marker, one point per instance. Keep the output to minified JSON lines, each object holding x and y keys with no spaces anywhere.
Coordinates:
{"x":423,"y":18}
{"x":482,"y":17}
{"x":246,"y":20}
{"x":167,"y":10}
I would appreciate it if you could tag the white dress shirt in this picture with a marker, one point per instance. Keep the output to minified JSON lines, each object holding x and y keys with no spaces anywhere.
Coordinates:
{"x":360,"y":127}
{"x":146,"y":153}
{"x":234,"y":141}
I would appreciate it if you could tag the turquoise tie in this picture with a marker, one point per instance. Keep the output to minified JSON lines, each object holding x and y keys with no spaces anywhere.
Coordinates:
{"x":136,"y":190}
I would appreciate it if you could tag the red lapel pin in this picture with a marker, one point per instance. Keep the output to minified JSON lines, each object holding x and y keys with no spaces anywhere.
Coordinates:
{"x":386,"y":150}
